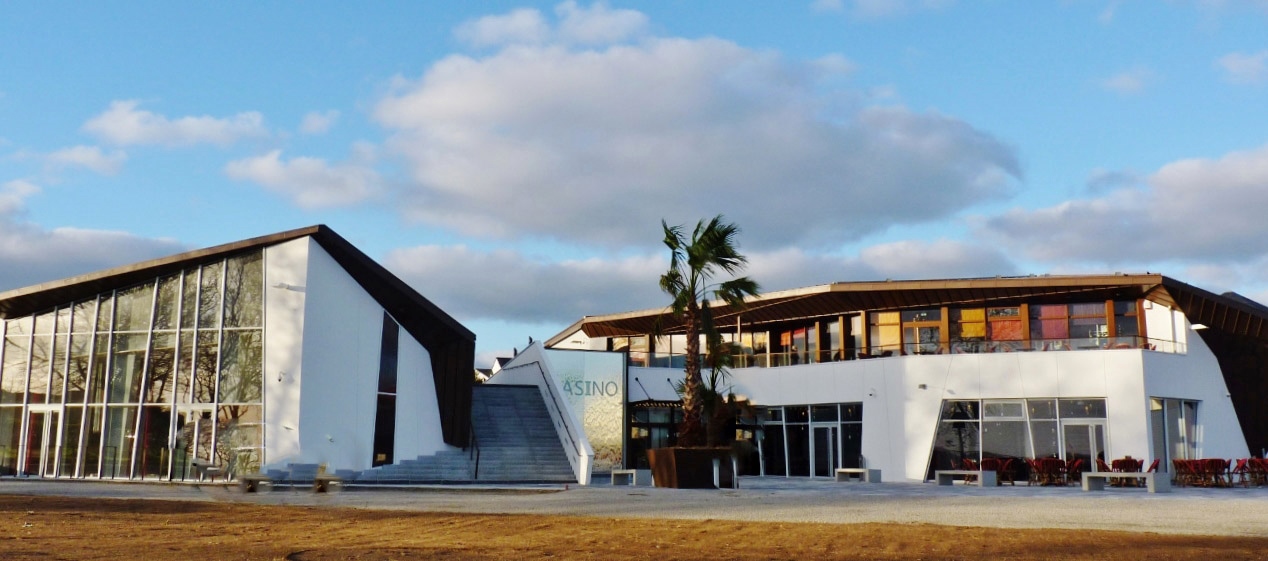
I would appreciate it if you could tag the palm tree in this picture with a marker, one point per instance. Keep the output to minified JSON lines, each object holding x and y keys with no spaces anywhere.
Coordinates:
{"x":712,"y":249}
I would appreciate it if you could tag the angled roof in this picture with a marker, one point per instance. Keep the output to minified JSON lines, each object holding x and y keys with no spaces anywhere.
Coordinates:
{"x":1229,"y":313}
{"x":416,"y":314}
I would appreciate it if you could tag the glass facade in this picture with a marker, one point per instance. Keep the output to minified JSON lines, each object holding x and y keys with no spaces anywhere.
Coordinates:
{"x":1018,"y":428}
{"x":807,"y":440}
{"x":142,"y":382}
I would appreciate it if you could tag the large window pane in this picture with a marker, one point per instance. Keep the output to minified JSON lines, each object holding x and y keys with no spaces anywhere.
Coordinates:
{"x":184,"y":366}
{"x":128,"y":368}
{"x":241,"y":362}
{"x":13,"y":374}
{"x":1005,"y":439}
{"x":10,"y":436}
{"x":41,"y":348}
{"x":72,"y":423}
{"x":161,"y":382}
{"x":955,"y":442}
{"x":105,"y":312}
{"x":132,"y":308}
{"x":1082,"y":408}
{"x":205,"y":366}
{"x":168,"y":303}
{"x":244,"y":284}
{"x":97,"y":382}
{"x":189,"y":299}
{"x":82,"y":316}
{"x":117,"y":455}
{"x":239,"y":438}
{"x":44,"y":323}
{"x":57,"y":383}
{"x":92,"y":442}
{"x":209,"y":297}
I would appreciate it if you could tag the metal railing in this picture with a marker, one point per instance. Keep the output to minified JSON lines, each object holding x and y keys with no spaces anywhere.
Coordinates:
{"x":768,"y":360}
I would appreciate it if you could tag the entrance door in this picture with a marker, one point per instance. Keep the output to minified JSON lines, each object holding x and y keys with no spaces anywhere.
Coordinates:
{"x":826,"y":458}
{"x":1084,"y":440}
{"x":194,"y":438}
{"x":42,"y":430}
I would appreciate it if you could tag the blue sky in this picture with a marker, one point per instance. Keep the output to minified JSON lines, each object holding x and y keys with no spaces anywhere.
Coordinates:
{"x":513,"y":160}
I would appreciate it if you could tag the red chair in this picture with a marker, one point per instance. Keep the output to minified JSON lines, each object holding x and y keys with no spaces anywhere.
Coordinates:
{"x":1153,"y":468}
{"x":1074,"y":471}
{"x":1241,"y":473}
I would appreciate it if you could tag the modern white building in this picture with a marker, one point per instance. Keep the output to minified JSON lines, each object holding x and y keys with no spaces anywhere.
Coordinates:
{"x":292,"y":348}
{"x":911,"y":376}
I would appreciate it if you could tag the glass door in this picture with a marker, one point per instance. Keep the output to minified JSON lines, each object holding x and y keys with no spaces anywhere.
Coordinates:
{"x":825,"y":451}
{"x":1084,"y":440}
{"x":42,"y":431}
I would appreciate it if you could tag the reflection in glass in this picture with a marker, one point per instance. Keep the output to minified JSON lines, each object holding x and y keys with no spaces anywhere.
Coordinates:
{"x":241,"y":362}
{"x":209,"y":297}
{"x":155,"y":423}
{"x":161,"y":382}
{"x":184,"y":366}
{"x":120,"y":436}
{"x":10,"y":436}
{"x":132,"y":308}
{"x":82,"y":318}
{"x":77,"y":374}
{"x":189,"y":299}
{"x":92,"y":442}
{"x":41,"y":347}
{"x":57,"y":383}
{"x":167,"y":304}
{"x":13,"y":373}
{"x":1082,"y":408}
{"x":97,"y":381}
{"x":239,"y":439}
{"x":205,"y":366}
{"x":71,"y":425}
{"x":129,"y":366}
{"x":244,"y":284}
{"x":44,"y":323}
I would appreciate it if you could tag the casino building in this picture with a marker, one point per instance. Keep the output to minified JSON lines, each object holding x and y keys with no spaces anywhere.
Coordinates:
{"x":911,"y":376}
{"x":292,"y":348}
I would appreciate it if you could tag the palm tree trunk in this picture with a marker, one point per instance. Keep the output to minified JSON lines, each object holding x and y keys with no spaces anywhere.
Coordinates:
{"x":689,"y":432}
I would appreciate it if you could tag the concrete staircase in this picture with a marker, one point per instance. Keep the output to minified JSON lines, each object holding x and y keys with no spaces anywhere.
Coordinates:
{"x":516,"y":437}
{"x":445,"y":466}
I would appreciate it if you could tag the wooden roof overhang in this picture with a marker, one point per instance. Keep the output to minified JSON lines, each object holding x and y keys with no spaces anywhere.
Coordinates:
{"x":1215,"y":311}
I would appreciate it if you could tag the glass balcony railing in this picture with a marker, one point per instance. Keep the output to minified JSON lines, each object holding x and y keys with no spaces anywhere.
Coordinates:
{"x":767,"y":360}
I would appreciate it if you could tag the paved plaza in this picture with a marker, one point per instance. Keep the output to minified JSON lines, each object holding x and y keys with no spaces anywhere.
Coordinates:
{"x":1229,"y":511}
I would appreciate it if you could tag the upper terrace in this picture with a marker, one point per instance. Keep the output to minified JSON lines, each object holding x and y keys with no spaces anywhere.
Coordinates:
{"x":862,"y":320}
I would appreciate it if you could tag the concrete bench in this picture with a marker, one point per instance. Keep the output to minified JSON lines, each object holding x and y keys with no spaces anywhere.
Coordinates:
{"x":323,"y":483}
{"x":985,"y":478}
{"x":1095,"y":481}
{"x":624,"y":477}
{"x":865,"y":475}
{"x":251,"y":482}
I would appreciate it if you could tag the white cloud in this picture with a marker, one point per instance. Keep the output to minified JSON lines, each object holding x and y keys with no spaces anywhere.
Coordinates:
{"x":1196,"y":210}
{"x":598,"y":24}
{"x":1244,"y":68}
{"x":123,"y":124}
{"x":1129,"y":82}
{"x":91,"y":157}
{"x":598,"y":145}
{"x":318,"y":122}
{"x":308,"y":182}
{"x":30,"y":254}
{"x":827,"y":5}
{"x":516,"y":288}
{"x":524,"y":25}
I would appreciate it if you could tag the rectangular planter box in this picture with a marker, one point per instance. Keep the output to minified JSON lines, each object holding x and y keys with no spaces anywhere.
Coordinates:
{"x":689,"y":468}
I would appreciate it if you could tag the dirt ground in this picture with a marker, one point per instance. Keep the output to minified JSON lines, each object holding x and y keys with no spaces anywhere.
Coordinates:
{"x":77,"y":528}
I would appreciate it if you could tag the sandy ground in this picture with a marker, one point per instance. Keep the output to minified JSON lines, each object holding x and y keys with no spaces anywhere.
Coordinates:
{"x":763,"y":520}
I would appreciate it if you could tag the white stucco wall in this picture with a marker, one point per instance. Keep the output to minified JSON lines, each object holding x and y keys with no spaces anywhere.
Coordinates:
{"x":285,"y":278}
{"x":900,"y":418}
{"x":323,"y":340}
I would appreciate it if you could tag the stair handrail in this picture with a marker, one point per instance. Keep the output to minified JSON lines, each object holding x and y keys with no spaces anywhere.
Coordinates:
{"x":572,"y":439}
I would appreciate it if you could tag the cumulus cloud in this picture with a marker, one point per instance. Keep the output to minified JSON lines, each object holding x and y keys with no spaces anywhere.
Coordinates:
{"x":1208,"y":210}
{"x":31,"y":254}
{"x":124,"y":124}
{"x":593,"y":25}
{"x":318,"y":122}
{"x":513,"y":287}
{"x":90,"y":157}
{"x":308,"y":182}
{"x":599,"y":144}
{"x":1129,"y":82}
{"x":1244,"y":68}
{"x":516,"y":288}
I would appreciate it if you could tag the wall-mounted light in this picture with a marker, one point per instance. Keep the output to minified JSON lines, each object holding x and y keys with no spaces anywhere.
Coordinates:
{"x":1198,"y":326}
{"x":285,"y":286}
{"x":280,"y":374}
{"x":922,"y":387}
